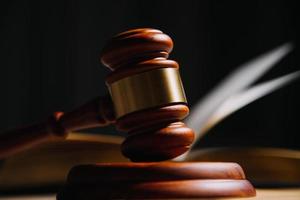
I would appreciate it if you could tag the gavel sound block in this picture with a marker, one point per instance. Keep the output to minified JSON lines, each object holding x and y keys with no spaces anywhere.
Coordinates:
{"x":147,"y":101}
{"x":165,"y":180}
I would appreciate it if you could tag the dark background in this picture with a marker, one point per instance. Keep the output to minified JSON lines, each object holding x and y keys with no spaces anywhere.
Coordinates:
{"x":49,"y":58}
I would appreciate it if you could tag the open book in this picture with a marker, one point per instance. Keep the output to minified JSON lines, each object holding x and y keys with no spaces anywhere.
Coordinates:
{"x":48,"y":164}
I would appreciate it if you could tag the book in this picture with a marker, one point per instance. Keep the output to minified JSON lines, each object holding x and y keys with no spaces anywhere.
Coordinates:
{"x":48,"y":164}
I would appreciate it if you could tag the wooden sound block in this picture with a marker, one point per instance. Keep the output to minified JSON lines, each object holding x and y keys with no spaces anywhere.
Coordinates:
{"x":165,"y":180}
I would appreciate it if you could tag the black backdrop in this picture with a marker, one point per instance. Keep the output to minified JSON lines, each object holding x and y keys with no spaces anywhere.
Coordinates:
{"x":49,"y":57}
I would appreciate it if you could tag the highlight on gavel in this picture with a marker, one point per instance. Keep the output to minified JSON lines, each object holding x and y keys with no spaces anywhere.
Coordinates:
{"x":146,"y":100}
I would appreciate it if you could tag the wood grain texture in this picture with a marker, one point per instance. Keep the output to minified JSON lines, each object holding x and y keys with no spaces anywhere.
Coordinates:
{"x":155,"y":133}
{"x":156,"y":181}
{"x":135,"y":45}
{"x":158,"y":142}
{"x":98,"y":112}
{"x":164,"y":171}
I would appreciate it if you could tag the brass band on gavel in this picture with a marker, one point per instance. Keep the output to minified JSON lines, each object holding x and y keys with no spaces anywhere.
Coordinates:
{"x":147,"y":90}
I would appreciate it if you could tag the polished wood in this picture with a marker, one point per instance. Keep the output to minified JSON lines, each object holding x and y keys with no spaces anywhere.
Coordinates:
{"x":163,"y":171}
{"x":156,"y":181}
{"x":155,"y":134}
{"x":135,"y":46}
{"x":98,"y":112}
{"x":158,"y":143}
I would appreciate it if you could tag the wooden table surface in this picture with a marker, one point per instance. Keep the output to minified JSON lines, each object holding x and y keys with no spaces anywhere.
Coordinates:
{"x":262,"y":194}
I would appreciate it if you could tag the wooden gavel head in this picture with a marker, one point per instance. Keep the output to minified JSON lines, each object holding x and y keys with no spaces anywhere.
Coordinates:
{"x":147,"y":94}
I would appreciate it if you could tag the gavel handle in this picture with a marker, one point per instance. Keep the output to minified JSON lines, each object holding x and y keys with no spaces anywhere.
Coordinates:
{"x":98,"y":112}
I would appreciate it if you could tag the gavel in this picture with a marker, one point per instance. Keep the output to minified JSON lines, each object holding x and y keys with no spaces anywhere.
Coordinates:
{"x":146,"y":100}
